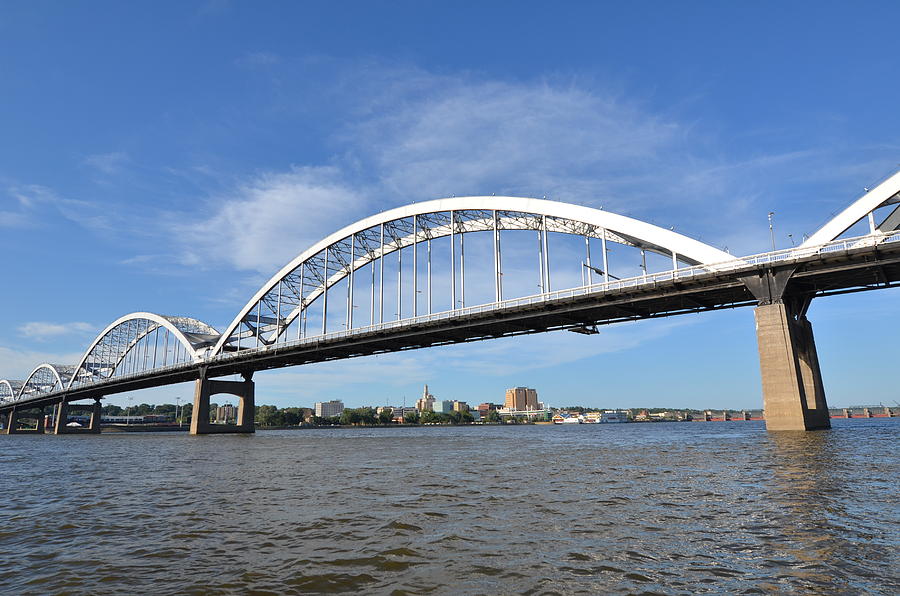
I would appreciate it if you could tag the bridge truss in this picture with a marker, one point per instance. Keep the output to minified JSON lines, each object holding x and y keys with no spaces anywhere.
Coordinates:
{"x":316,"y":296}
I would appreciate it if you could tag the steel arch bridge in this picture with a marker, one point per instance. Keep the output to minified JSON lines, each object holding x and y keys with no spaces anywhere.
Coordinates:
{"x":273,"y":328}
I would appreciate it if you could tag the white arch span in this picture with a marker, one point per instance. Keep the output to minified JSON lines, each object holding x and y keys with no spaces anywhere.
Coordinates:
{"x":46,"y":374}
{"x":886,"y":193}
{"x":9,"y":390}
{"x":194,"y":335}
{"x":616,"y":228}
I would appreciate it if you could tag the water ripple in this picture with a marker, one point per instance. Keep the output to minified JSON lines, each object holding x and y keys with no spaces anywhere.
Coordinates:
{"x":631,"y":509}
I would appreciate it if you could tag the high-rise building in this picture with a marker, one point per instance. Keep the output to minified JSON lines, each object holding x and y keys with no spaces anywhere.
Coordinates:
{"x":327,"y":409}
{"x":426,"y":402}
{"x":522,"y":398}
{"x":460,"y":406}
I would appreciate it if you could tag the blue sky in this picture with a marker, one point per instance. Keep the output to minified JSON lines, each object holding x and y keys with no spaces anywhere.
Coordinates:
{"x":172,"y":156}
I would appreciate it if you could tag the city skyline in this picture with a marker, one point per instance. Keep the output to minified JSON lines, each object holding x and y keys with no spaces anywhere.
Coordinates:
{"x":147,"y":199}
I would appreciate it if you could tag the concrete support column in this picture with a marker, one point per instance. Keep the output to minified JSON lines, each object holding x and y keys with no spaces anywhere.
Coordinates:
{"x":246,"y":418}
{"x":62,"y":417}
{"x":808,"y":359}
{"x":200,"y":413}
{"x":96,"y":417}
{"x":12,"y":420}
{"x":244,"y":390}
{"x":793,"y":394}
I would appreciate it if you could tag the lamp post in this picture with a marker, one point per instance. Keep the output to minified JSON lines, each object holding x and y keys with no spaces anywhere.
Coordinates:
{"x":772,"y":229}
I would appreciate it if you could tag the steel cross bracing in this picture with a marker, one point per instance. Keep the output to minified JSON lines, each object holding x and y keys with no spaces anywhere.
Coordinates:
{"x":43,"y":383}
{"x":146,"y":349}
{"x":290,"y":298}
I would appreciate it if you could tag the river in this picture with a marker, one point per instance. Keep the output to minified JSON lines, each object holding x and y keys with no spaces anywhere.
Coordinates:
{"x":670,"y":508}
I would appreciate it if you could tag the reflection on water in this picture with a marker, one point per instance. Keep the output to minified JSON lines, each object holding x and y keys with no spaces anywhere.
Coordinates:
{"x":664,"y":508}
{"x":816,"y":478}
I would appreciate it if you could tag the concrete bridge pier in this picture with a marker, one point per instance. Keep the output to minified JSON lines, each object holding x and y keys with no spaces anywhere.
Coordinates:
{"x":12,"y":423}
{"x":793,"y":393}
{"x":62,"y":417}
{"x":244,"y":390}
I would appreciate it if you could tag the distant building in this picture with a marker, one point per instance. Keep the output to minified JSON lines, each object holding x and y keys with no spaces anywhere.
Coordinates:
{"x":442,"y":406}
{"x":226,"y":413}
{"x":398,"y":413}
{"x":426,"y":402}
{"x":460,"y":406}
{"x":614,"y":416}
{"x":522,"y":398}
{"x":327,"y":409}
{"x":530,"y":414}
{"x":484,"y":408}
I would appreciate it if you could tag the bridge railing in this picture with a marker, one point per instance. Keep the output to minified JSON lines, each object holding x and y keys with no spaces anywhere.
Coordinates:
{"x":597,"y":288}
{"x":120,"y":377}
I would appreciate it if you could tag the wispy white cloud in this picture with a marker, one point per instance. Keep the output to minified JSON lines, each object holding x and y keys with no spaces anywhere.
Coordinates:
{"x":467,"y":137}
{"x":37,"y":202}
{"x":107,"y":163}
{"x":30,"y":196}
{"x":433,"y":137}
{"x":414,"y":135}
{"x":270,"y":219}
{"x":17,"y":364}
{"x":13,"y":219}
{"x":41,"y":330}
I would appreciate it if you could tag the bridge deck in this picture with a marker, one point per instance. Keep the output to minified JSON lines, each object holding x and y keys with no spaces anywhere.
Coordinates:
{"x":849,"y":269}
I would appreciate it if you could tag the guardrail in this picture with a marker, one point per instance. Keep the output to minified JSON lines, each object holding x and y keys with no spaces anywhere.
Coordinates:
{"x":737,"y":263}
{"x":748,"y":262}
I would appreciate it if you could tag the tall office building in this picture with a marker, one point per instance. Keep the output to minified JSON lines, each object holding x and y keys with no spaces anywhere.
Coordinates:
{"x":522,"y":398}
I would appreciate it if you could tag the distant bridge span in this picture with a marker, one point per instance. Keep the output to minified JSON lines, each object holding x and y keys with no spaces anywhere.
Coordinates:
{"x":273,"y":329}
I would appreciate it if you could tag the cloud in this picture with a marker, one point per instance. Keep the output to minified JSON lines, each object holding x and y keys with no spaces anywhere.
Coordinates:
{"x":42,"y":330}
{"x":107,"y":163}
{"x":270,"y":219}
{"x":257,"y":60}
{"x":430,"y":137}
{"x":12,"y":219}
{"x":539,"y":139}
{"x":37,"y":202}
{"x":30,"y":196}
{"x":410,"y":135}
{"x":18,"y":364}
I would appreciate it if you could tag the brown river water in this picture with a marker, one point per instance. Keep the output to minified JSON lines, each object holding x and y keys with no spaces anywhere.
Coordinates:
{"x":663,"y":508}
